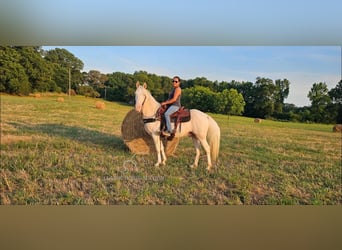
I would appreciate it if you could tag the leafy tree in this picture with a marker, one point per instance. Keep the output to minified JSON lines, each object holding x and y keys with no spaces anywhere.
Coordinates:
{"x":202,"y":81}
{"x":13,"y":78}
{"x":94,"y":78}
{"x":282,"y":92}
{"x":156,"y":86}
{"x":119,"y":87}
{"x":87,"y":91}
{"x":93,"y":81}
{"x":64,"y":58}
{"x":63,"y":61}
{"x":166,"y":85}
{"x":320,"y":99}
{"x":199,"y":97}
{"x":37,"y":69}
{"x":230,"y":102}
{"x":336,"y":93}
{"x":336,"y":97}
{"x":264,"y":96}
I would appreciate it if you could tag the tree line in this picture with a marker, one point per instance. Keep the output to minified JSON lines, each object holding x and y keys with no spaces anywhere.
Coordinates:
{"x":29,"y":69}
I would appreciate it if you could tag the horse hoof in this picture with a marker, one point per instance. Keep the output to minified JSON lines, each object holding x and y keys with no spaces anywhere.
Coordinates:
{"x":209,"y":168}
{"x":157,"y":164}
{"x":193,"y":166}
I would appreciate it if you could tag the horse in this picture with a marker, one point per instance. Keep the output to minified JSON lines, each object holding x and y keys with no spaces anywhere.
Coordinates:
{"x":200,"y":127}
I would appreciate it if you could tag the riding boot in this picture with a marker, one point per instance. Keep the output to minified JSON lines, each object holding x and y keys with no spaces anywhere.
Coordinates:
{"x":172,"y":135}
{"x":165,"y":133}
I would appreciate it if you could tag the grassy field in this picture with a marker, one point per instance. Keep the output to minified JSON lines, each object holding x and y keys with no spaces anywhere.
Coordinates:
{"x":72,"y":153}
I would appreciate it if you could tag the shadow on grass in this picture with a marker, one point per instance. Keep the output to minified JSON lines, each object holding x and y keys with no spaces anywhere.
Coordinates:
{"x":83,"y":135}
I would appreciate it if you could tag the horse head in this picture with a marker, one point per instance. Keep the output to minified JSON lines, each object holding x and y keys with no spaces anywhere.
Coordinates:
{"x":140,"y":96}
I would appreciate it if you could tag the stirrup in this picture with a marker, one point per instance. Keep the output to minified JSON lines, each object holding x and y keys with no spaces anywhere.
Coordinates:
{"x":172,"y":135}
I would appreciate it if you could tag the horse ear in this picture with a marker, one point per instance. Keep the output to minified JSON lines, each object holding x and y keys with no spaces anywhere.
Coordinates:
{"x":137,"y":84}
{"x":145,"y":85}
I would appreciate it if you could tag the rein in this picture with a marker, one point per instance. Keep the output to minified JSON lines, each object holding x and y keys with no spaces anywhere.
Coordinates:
{"x":150,"y":120}
{"x":157,"y":116}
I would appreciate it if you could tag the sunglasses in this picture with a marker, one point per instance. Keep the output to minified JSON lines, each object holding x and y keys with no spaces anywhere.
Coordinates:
{"x":174,"y":81}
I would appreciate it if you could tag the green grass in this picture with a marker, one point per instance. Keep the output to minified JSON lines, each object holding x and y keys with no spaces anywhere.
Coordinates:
{"x":72,"y":153}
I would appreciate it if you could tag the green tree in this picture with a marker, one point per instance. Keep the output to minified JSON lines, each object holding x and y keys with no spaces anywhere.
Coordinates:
{"x":199,"y":97}
{"x":230,"y":102}
{"x":13,"y":78}
{"x":247,"y":90}
{"x":336,"y":97}
{"x":320,"y":99}
{"x":63,"y":61}
{"x":282,"y":92}
{"x":264,"y":97}
{"x":119,"y":87}
{"x":95,"y":79}
{"x":38,"y":70}
{"x":204,"y":82}
{"x":87,"y":91}
{"x":336,"y":93}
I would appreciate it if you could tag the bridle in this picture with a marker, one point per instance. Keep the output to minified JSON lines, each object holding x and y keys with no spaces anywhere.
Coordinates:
{"x":156,"y":116}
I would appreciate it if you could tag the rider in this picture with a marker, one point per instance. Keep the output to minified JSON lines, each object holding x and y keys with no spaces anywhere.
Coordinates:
{"x":173,"y":103}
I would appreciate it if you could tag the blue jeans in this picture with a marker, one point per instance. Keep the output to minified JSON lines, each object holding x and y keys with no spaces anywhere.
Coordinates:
{"x":170,"y":111}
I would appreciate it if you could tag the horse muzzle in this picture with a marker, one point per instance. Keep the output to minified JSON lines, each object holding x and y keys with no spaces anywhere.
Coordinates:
{"x":138,"y":107}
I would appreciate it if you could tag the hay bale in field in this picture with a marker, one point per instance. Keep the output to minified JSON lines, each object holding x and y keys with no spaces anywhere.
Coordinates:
{"x":257,"y":120}
{"x":100,"y":105}
{"x":337,"y":128}
{"x":60,"y":99}
{"x":136,"y":138}
{"x":35,"y":95}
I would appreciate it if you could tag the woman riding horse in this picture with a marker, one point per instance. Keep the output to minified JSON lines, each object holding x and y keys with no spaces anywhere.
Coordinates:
{"x":173,"y":104}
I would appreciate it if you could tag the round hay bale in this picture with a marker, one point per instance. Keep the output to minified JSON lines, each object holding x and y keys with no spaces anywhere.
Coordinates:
{"x":257,"y":120}
{"x":136,"y":138}
{"x":337,"y":128}
{"x":100,"y":105}
{"x":60,"y":99}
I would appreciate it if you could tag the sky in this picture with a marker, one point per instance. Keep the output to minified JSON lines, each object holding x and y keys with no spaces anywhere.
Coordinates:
{"x":222,"y":40}
{"x":301,"y":65}
{"x":176,"y":22}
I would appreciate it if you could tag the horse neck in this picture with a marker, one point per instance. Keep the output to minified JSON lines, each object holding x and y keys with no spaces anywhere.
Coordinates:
{"x":150,"y":106}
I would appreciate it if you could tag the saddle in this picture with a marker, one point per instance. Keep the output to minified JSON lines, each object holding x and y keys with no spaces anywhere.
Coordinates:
{"x":182,"y":115}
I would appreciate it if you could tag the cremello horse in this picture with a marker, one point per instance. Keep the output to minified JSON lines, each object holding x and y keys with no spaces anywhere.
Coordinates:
{"x":199,"y":128}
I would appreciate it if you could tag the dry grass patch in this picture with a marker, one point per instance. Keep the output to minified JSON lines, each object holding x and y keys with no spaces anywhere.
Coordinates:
{"x":36,"y":95}
{"x":10,"y":139}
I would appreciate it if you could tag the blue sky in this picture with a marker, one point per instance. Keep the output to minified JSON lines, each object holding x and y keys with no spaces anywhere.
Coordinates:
{"x":301,"y":65}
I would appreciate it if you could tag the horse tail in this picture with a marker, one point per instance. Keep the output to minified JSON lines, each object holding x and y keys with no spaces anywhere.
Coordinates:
{"x":214,"y":134}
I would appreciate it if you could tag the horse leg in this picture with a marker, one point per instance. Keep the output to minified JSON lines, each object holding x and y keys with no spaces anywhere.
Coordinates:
{"x":160,"y":150}
{"x":207,"y":150}
{"x":197,"y":145}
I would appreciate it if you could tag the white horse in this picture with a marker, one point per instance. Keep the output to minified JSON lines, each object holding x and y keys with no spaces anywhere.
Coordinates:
{"x":199,"y":128}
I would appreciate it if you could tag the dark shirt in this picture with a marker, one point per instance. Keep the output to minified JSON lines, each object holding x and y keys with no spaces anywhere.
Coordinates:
{"x":177,"y":102}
